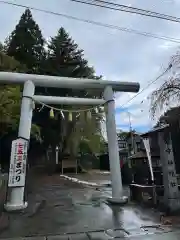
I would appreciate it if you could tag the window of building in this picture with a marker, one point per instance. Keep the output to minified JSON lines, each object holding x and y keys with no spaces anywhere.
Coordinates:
{"x":133,"y":162}
{"x":156,"y":163}
{"x":121,"y":144}
{"x":138,"y":147}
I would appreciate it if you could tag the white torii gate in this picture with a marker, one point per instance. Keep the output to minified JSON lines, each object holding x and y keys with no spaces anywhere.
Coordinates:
{"x":16,"y":198}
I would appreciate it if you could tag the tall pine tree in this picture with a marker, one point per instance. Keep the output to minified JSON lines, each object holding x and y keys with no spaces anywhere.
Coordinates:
{"x":65,"y":59}
{"x":26,"y":43}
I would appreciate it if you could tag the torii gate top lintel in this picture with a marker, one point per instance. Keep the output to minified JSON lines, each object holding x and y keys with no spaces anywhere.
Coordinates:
{"x":65,"y":82}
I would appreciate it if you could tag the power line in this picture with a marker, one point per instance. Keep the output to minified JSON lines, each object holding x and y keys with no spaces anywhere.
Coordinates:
{"x":143,"y":89}
{"x":124,"y":8}
{"x":123,"y":29}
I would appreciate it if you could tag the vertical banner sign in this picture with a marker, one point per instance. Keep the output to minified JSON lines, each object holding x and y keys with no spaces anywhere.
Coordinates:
{"x":148,"y":152}
{"x":17,"y":171}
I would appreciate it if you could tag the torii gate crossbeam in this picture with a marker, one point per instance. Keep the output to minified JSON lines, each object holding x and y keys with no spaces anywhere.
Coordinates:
{"x":65,"y":82}
{"x":16,"y":199}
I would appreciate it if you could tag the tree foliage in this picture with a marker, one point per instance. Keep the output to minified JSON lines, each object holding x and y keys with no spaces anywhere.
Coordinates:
{"x":169,"y":91}
{"x":170,"y":117}
{"x":9,"y":107}
{"x":26,"y":43}
{"x":10,"y":98}
{"x":60,"y":57}
{"x":10,"y":64}
{"x":64,"y":58}
{"x":123,"y":135}
{"x":163,"y":98}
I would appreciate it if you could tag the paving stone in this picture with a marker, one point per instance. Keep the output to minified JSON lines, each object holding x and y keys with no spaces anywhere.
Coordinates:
{"x":136,"y":232}
{"x":25,"y":238}
{"x":4,"y":221}
{"x":82,"y":236}
{"x":11,"y":238}
{"x":117,"y":233}
{"x":155,"y":229}
{"x":99,"y":236}
{"x":33,"y":238}
{"x":58,"y":237}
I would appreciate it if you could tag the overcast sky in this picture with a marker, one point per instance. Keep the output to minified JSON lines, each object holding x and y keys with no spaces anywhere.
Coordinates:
{"x":114,"y":54}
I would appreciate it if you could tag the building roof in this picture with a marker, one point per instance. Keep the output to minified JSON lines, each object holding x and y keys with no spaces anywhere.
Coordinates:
{"x":137,"y":155}
{"x":142,"y":154}
{"x":123,"y":150}
{"x":158,"y":129}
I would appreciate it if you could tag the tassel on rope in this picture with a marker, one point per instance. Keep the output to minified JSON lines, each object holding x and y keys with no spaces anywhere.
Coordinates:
{"x":70,"y":117}
{"x":62,"y":114}
{"x":96,"y":110}
{"x":101,"y":109}
{"x":82,"y":116}
{"x":51,"y":113}
{"x":88,"y":115}
{"x":105,"y":108}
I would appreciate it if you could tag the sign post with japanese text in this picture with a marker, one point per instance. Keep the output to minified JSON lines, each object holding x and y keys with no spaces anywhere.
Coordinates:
{"x":17,"y":170}
{"x":171,"y":191}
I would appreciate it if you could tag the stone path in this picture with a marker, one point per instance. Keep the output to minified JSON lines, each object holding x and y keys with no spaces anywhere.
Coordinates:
{"x":141,"y":234}
{"x":69,"y":210}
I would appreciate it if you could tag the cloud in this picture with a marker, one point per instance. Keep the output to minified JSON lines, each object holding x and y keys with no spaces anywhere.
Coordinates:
{"x":115,"y":54}
{"x":135,"y":116}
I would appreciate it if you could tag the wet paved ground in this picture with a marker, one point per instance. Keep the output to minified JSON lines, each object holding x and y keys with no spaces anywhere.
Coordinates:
{"x":71,"y":208}
{"x":97,"y":177}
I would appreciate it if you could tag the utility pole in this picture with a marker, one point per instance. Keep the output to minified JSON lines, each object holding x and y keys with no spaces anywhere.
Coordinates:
{"x":131,"y":132}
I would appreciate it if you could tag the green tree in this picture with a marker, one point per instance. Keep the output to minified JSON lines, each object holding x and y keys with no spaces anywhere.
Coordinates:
{"x":169,"y":91}
{"x":1,"y":47}
{"x":64,"y":58}
{"x":10,"y":98}
{"x":10,"y":64}
{"x":26,"y":43}
{"x":171,"y":117}
{"x":123,"y":135}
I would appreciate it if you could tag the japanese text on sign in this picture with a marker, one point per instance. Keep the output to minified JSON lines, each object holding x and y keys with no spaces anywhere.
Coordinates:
{"x":171,"y":169}
{"x":18,"y":163}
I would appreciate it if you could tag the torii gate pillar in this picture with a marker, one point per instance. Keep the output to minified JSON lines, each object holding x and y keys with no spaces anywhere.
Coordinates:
{"x":16,"y":194}
{"x":116,"y":179}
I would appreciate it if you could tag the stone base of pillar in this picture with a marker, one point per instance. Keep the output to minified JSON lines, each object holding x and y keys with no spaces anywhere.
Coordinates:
{"x":118,"y":201}
{"x":12,"y":207}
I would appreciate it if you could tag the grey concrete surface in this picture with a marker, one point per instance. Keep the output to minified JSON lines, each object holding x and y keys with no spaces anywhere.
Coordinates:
{"x":72,"y":208}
